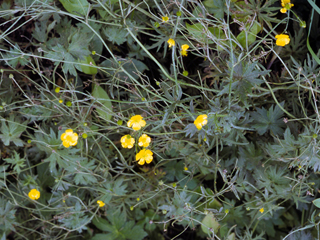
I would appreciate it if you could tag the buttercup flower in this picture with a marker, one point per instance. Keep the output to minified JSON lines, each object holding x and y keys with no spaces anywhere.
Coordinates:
{"x":261,"y":210}
{"x":184,"y":49}
{"x":286,"y":5}
{"x":34,"y":194}
{"x":282,"y":40}
{"x":171,"y":42}
{"x":200,"y":121}
{"x":136,"y":122}
{"x":127,"y":141}
{"x":69,"y":138}
{"x":165,"y":18}
{"x":101,"y":204}
{"x":145,"y":155}
{"x":144,"y":140}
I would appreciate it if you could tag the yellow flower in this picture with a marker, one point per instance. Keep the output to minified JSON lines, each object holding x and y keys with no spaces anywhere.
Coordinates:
{"x":171,"y":42}
{"x":60,"y":101}
{"x":127,"y":141}
{"x":282,"y":40}
{"x":184,"y":53}
{"x":34,"y":194}
{"x":144,"y":140}
{"x":145,"y":155}
{"x":101,"y":204}
{"x":286,"y":5}
{"x":136,"y":122}
{"x":261,"y":210}
{"x":165,"y":18}
{"x":184,"y":49}
{"x":69,"y":138}
{"x":200,"y":121}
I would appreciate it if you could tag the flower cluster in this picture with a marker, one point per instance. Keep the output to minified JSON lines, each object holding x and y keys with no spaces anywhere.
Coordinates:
{"x":127,"y":141}
{"x":286,"y":5}
{"x":69,"y":138}
{"x":34,"y":194}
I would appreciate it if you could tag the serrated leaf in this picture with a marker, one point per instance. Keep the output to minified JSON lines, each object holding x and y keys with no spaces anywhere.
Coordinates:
{"x":116,"y":35}
{"x":16,"y":162}
{"x":118,"y":227}
{"x":209,"y":224}
{"x":105,"y":108}
{"x":271,"y":119}
{"x":78,"y":46}
{"x":39,"y":32}
{"x":77,"y":7}
{"x":15,"y":56}
{"x":12,"y":132}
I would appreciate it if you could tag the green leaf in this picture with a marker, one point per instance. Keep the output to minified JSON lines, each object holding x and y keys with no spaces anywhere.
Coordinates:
{"x":15,"y":56}
{"x":118,"y":227}
{"x":83,"y":172}
{"x":316,"y":202}
{"x":215,"y":7}
{"x":39,"y":32}
{"x":105,"y":108}
{"x":78,"y":46}
{"x":7,"y":216}
{"x":17,"y":162}
{"x":131,"y":66}
{"x":88,"y":69}
{"x":12,"y":132}
{"x":77,"y":7}
{"x":210,"y":224}
{"x":116,"y":35}
{"x":248,"y":36}
{"x":271,"y":119}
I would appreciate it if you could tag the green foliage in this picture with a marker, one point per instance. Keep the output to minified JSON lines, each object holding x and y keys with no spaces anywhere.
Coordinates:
{"x":250,"y":172}
{"x":117,"y":227}
{"x":16,"y":162}
{"x":11,"y":131}
{"x":77,"y":7}
{"x":7,"y":216}
{"x":105,"y":111}
{"x":272,"y":119}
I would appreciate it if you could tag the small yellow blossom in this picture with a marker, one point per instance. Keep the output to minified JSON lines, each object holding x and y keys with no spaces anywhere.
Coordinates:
{"x":69,"y":138}
{"x":282,"y":40}
{"x":171,"y":42}
{"x":34,"y":194}
{"x":286,"y":5}
{"x":165,"y":18}
{"x":101,"y":204}
{"x":57,"y":90}
{"x":144,"y":140}
{"x":185,"y":168}
{"x":200,"y":121}
{"x":60,"y":101}
{"x":127,"y":141}
{"x":184,"y":49}
{"x":145,"y":155}
{"x":261,"y":210}
{"x":136,"y":122}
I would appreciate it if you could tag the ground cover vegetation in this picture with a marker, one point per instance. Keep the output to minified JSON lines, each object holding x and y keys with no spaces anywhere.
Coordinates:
{"x":159,"y":119}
